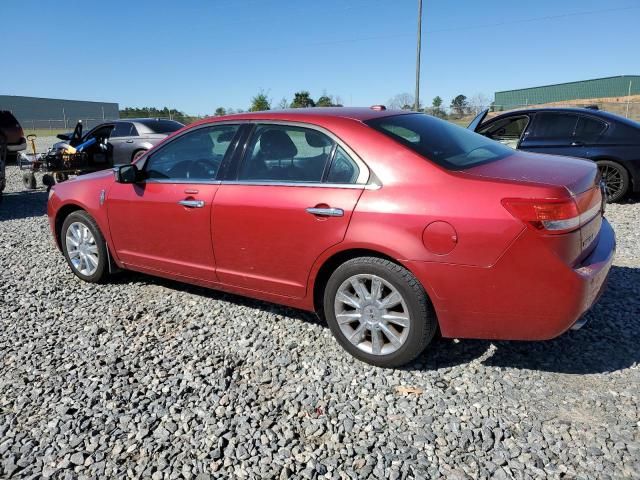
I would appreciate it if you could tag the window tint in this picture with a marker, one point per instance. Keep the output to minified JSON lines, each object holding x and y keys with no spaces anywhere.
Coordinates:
{"x":286,"y":154}
{"x":590,"y":128}
{"x":162,"y":126}
{"x":441,"y":142}
{"x":510,"y":128}
{"x":196,"y":155}
{"x":122,"y":129}
{"x":343,"y":168}
{"x":554,"y":125}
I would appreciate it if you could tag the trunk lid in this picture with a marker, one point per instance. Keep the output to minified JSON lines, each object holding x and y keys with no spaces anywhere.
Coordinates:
{"x":575,"y":174}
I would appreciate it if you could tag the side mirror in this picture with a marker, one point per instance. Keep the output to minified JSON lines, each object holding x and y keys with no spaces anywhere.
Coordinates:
{"x":64,"y":136}
{"x":127,"y":173}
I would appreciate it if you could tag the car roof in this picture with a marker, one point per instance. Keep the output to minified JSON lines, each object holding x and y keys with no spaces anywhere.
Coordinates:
{"x":312,"y":114}
{"x":584,"y":111}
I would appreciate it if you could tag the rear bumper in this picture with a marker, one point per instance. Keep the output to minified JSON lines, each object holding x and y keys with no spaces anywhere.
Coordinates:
{"x":524,"y":296}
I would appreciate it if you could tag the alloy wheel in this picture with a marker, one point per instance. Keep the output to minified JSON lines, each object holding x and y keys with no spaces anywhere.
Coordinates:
{"x":372,"y":314}
{"x":613,"y":182}
{"x":82,"y":248}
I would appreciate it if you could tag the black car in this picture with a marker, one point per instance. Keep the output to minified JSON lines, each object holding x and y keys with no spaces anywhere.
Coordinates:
{"x":612,"y":141}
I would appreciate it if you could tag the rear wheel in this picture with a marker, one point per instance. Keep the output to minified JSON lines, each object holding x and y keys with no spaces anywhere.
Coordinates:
{"x":84,"y":247}
{"x":616,"y":180}
{"x":378,"y":311}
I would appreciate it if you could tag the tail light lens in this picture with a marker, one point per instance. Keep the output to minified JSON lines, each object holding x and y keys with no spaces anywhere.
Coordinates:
{"x":556,"y":216}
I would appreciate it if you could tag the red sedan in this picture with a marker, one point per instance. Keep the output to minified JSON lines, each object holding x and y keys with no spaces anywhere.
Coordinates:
{"x":391,"y":224}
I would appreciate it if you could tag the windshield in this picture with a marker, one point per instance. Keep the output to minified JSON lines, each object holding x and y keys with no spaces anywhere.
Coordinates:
{"x":444,"y":143}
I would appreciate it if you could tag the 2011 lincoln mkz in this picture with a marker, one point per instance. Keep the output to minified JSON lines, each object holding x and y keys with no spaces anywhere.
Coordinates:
{"x":392,"y":225}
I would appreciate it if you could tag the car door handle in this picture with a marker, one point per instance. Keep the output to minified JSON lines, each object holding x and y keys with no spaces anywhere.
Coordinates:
{"x":192,"y":203}
{"x":129,"y":141}
{"x":326,"y":212}
{"x":577,"y":144}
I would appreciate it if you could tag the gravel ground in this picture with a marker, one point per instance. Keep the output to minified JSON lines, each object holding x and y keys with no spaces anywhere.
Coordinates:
{"x":148,"y":378}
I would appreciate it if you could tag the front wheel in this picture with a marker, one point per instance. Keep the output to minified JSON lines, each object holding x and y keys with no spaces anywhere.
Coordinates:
{"x":378,"y":311}
{"x":29,"y":181}
{"x":84,"y":247}
{"x":616,"y":180}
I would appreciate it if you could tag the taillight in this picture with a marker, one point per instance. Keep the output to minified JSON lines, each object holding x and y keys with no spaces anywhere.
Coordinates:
{"x":556,"y":216}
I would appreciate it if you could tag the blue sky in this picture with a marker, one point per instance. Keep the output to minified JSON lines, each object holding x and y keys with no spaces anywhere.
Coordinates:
{"x":198,"y":55}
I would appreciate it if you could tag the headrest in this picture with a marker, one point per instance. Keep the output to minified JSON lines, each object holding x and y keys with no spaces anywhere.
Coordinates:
{"x":277,"y":145}
{"x":317,"y":140}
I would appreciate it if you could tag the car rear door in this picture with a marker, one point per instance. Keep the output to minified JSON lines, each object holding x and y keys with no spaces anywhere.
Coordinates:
{"x":163,"y":224}
{"x":285,"y":201}
{"x":552,"y":133}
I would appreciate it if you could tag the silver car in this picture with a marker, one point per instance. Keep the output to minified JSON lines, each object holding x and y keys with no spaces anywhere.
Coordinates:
{"x":120,"y":141}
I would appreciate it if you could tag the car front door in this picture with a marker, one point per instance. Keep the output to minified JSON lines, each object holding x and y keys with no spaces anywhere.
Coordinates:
{"x":163,"y":224}
{"x":289,"y":199}
{"x":506,"y":130}
{"x":122,"y":140}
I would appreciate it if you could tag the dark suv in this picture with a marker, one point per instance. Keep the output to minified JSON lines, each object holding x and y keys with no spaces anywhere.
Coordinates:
{"x":11,"y":141}
{"x":612,"y":141}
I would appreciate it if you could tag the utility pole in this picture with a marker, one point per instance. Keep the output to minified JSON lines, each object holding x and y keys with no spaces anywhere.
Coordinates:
{"x":417,"y":99}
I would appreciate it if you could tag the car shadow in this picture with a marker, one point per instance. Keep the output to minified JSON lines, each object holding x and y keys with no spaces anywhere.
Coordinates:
{"x":25,"y":204}
{"x":607,"y":343}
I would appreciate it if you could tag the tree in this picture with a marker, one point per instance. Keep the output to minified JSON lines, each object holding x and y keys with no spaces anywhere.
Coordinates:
{"x":302,"y":99}
{"x":479,"y":102}
{"x":436,"y":108}
{"x":220,"y":111}
{"x":324,"y":101}
{"x":404,"y":101}
{"x":283,"y":104}
{"x":260,"y":103}
{"x":459,"y":105}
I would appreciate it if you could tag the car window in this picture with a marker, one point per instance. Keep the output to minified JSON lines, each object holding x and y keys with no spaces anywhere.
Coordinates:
{"x":162,"y":126}
{"x":506,"y":129}
{"x":554,"y":125}
{"x":122,"y":129}
{"x":343,"y":168}
{"x":99,"y":133}
{"x":196,"y":155}
{"x":444,"y":143}
{"x":286,"y":154}
{"x":590,"y":128}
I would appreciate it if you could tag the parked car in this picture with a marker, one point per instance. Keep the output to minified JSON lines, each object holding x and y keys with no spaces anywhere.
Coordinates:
{"x":120,"y":141}
{"x":11,"y":141}
{"x":389,"y":223}
{"x":612,"y":141}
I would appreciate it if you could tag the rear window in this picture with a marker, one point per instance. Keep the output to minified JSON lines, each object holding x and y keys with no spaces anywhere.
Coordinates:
{"x":162,"y":126}
{"x":444,"y":143}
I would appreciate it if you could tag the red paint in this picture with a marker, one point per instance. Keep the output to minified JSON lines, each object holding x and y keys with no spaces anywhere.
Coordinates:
{"x":487,"y":273}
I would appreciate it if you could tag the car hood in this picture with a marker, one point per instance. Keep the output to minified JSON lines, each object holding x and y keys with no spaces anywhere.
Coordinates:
{"x":93,"y":176}
{"x":577,"y":175}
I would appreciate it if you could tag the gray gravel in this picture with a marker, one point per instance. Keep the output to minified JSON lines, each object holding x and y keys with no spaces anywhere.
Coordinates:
{"x":148,"y":378}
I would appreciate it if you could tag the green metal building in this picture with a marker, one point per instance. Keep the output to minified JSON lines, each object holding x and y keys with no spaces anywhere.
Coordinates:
{"x":608,"y":87}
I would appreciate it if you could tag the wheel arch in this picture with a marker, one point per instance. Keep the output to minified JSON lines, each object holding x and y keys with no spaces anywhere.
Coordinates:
{"x":61,"y":215}
{"x":329,"y":265}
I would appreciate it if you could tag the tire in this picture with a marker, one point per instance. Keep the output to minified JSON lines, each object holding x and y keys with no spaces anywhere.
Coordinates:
{"x":29,"y":181}
{"x":616,"y":180}
{"x":95,"y":270}
{"x":413,"y":322}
